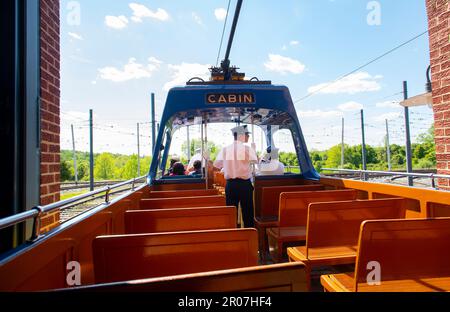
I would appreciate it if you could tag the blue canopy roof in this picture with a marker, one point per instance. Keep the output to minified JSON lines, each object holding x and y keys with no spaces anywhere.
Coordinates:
{"x":221,"y":103}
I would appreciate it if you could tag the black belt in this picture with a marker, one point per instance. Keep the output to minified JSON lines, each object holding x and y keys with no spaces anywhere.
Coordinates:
{"x":239,"y":180}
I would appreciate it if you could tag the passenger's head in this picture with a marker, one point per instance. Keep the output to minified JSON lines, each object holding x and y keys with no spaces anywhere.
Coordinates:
{"x":178,"y":169}
{"x":241,"y":134}
{"x":197,"y":165}
{"x":174,"y":160}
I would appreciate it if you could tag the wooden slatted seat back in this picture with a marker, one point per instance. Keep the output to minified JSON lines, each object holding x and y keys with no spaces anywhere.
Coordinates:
{"x":182,"y":202}
{"x":260,"y":183}
{"x":130,"y":257}
{"x":177,"y":220}
{"x":405,"y":249}
{"x":286,"y":277}
{"x":182,"y":193}
{"x":177,"y":186}
{"x":219,"y":179}
{"x":338,"y":223}
{"x":270,"y":196}
{"x":294,"y":206}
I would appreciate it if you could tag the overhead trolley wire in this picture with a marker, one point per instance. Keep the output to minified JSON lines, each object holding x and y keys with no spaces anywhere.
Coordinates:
{"x":223,"y":33}
{"x":362,"y":66}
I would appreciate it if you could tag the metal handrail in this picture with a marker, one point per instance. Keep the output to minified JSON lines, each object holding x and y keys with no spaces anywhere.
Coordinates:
{"x":362,"y":173}
{"x":393,"y":173}
{"x":36,"y":212}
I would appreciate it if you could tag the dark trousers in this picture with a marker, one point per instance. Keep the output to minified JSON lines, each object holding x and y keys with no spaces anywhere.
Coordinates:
{"x":241,"y":191}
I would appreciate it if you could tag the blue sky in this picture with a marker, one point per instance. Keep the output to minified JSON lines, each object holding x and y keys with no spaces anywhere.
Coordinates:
{"x":121,"y":51}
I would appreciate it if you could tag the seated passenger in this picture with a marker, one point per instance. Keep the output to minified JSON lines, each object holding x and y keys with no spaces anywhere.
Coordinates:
{"x":198,"y":157}
{"x":270,"y":165}
{"x":173,"y":161}
{"x":178,"y":170}
{"x":197,"y":168}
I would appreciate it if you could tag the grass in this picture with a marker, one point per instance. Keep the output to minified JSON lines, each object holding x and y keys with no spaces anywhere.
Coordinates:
{"x":68,"y":195}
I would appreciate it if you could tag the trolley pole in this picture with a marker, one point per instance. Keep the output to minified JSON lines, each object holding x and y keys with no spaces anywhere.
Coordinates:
{"x":91,"y":152}
{"x":75,"y":170}
{"x":364,"y":157}
{"x":409,"y":168}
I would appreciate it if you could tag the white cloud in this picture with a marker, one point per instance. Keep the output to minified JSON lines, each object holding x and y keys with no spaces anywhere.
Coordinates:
{"x":388,"y":104}
{"x":80,"y":59}
{"x":294,"y":43}
{"x":75,"y":36}
{"x":284,"y":65}
{"x":352,"y":84}
{"x":220,"y":14}
{"x":185,"y":71}
{"x":320,"y":114}
{"x":351,"y":106}
{"x":388,"y":116}
{"x":131,"y":70}
{"x":284,"y":48}
{"x":141,"y":11}
{"x":116,"y":22}
{"x":197,"y":18}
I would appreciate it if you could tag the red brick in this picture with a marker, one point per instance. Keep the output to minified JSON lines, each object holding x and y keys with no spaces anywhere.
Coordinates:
{"x":47,"y":179}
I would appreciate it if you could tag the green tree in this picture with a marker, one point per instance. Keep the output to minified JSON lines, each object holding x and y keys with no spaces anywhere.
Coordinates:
{"x":196,"y":143}
{"x":104,"y":167}
{"x":66,"y":174}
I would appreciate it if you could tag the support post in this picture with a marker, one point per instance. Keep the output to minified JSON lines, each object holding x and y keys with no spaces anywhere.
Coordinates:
{"x":343,"y":145}
{"x":153,"y":123}
{"x":207,"y":152}
{"x":388,"y":146}
{"x":409,"y":168}
{"x":91,"y":151}
{"x":138,"y":152}
{"x":75,"y":169}
{"x":364,"y":157}
{"x":188,"y":145}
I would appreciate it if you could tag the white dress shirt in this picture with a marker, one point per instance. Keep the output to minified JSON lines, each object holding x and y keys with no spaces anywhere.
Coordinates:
{"x":236,"y":160}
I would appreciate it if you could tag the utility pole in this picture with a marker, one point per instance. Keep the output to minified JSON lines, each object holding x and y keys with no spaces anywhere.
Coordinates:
{"x":408,"y":136}
{"x":343,"y":145}
{"x":91,"y":154}
{"x":138,"y":152}
{"x":388,"y":146}
{"x":75,"y":170}
{"x":153,"y":123}
{"x":364,"y":157}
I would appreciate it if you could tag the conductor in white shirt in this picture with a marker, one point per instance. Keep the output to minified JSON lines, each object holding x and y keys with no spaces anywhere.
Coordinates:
{"x":236,"y":160}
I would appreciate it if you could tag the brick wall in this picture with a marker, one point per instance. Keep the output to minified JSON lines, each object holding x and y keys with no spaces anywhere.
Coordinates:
{"x":50,"y":104}
{"x":439,"y":31}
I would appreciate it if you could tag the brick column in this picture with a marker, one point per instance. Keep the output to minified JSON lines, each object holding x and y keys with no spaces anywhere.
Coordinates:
{"x":50,"y":108}
{"x":439,"y":32}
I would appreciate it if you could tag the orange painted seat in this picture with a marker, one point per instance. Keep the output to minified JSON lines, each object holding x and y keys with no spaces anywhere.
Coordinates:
{"x":182,"y":202}
{"x":286,"y":277}
{"x":333,"y":229}
{"x":178,"y":220}
{"x":414,"y":256}
{"x":293,"y":213}
{"x":266,"y":200}
{"x":130,"y":257}
{"x":181,"y":193}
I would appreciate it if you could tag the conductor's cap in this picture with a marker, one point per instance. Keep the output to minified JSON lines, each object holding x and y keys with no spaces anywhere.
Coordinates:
{"x":240,"y":130}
